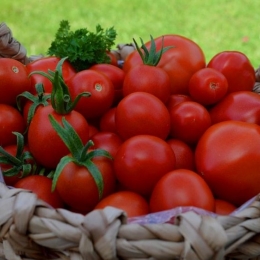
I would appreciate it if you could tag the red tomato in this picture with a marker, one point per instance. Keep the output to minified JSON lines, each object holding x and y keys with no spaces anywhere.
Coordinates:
{"x":227,"y":156}
{"x":223,"y":207}
{"x":183,"y":153}
{"x":44,"y":143}
{"x":107,"y":141}
{"x":44,"y":64}
{"x":11,"y":121}
{"x":14,"y":80}
{"x":41,"y":186}
{"x":240,"y":106}
{"x":150,"y":79}
{"x":132,"y":203}
{"x":176,"y":99}
{"x":107,"y":122}
{"x":181,"y":188}
{"x":113,"y":58}
{"x":142,"y":113}
{"x":92,"y":130}
{"x":141,"y":161}
{"x":101,"y":89}
{"x":116,"y":75}
{"x":180,"y":62}
{"x":208,"y":86}
{"x":189,"y":120}
{"x":237,"y":69}
{"x":77,"y":187}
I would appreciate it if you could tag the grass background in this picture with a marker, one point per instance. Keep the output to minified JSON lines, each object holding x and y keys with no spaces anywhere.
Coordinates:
{"x":215,"y":25}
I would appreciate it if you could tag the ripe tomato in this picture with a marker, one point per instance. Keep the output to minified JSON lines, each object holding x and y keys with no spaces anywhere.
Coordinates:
{"x":184,"y":155}
{"x":11,"y":121}
{"x":107,"y":141}
{"x":176,"y":99}
{"x":101,"y":89}
{"x":189,"y":120}
{"x":223,"y":207}
{"x":147,"y":78}
{"x":41,"y":186}
{"x":208,"y":86}
{"x":44,"y":143}
{"x":13,"y":80}
{"x":227,"y":156}
{"x":141,"y":161}
{"x":107,"y":122}
{"x":77,"y":187}
{"x":44,"y":64}
{"x":237,"y":69}
{"x":181,"y":188}
{"x":142,"y":113}
{"x":92,"y":130}
{"x":132,"y":203}
{"x":180,"y":62}
{"x":116,"y":75}
{"x":240,"y":106}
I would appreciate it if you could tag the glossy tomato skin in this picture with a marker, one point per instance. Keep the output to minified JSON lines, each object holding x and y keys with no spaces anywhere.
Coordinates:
{"x":237,"y":69}
{"x":227,"y":157}
{"x":132,"y":203}
{"x":14,"y":80}
{"x":44,"y":143}
{"x":146,"y":78}
{"x":41,"y":186}
{"x":223,"y":207}
{"x":107,"y":121}
{"x":44,"y":64}
{"x":77,"y":187}
{"x":179,"y":62}
{"x":181,"y":188}
{"x":241,"y":106}
{"x":141,"y":161}
{"x":11,"y":121}
{"x":176,"y":99}
{"x":101,"y":89}
{"x":189,"y":120}
{"x":208,"y":86}
{"x":142,"y":113}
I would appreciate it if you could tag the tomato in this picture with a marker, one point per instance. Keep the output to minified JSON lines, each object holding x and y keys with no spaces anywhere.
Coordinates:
{"x":223,"y":207}
{"x":116,"y":75}
{"x":13,"y":80}
{"x":44,"y":64}
{"x":92,"y":130}
{"x":11,"y":121}
{"x":237,"y":69}
{"x":41,"y":186}
{"x":113,"y":58}
{"x":181,"y":188}
{"x":107,"y":121}
{"x":44,"y":143}
{"x":101,"y":89}
{"x":147,"y":78}
{"x":176,"y":99}
{"x":77,"y":187}
{"x":240,"y":106}
{"x":132,"y":203}
{"x":227,"y":156}
{"x":141,"y":161}
{"x":184,"y":155}
{"x":208,"y":86}
{"x":108,"y":141}
{"x":189,"y":120}
{"x":180,"y":62}
{"x":142,"y":113}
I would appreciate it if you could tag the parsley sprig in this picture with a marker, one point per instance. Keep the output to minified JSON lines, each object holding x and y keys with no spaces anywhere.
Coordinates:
{"x":82,"y":47}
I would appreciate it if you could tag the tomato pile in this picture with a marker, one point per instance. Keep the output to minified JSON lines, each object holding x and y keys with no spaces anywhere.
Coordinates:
{"x":164,"y":130}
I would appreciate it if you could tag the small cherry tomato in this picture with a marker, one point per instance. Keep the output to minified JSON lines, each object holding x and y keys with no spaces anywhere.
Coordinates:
{"x":223,"y":207}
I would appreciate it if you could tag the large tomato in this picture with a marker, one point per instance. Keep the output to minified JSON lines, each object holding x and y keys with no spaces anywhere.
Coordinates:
{"x":13,"y":80}
{"x":179,"y":188}
{"x":180,"y":62}
{"x":141,"y":161}
{"x":227,"y":156}
{"x":237,"y":69}
{"x":240,"y":105}
{"x":44,"y":64}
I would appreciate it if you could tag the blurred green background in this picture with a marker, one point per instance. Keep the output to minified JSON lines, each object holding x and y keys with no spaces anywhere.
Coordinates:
{"x":215,"y":25}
